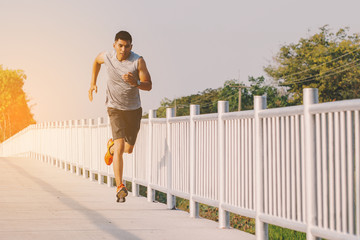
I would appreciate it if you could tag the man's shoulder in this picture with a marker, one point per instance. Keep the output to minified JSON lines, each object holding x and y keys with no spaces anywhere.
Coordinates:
{"x":134,"y":56}
{"x":109,"y":54}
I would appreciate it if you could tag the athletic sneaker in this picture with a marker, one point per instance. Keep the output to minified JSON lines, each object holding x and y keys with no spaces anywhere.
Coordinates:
{"x":109,"y":156}
{"x":121,"y":193}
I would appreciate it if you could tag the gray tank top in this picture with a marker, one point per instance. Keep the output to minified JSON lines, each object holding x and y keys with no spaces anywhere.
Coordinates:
{"x":119,"y":94}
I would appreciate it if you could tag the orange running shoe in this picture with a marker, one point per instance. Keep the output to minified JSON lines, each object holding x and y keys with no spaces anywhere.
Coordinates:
{"x":121,"y":193}
{"x":109,"y":156}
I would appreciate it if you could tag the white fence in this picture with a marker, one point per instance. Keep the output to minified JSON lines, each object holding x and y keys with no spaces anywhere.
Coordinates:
{"x":295,"y":167}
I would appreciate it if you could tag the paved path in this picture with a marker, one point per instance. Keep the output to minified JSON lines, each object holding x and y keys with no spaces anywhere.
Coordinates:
{"x":39,"y":201}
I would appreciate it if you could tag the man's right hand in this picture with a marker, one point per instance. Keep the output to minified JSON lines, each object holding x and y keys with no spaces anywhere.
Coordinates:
{"x":92,"y":88}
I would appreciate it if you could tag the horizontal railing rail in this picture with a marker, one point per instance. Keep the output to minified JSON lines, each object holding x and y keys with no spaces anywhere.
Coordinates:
{"x":296,"y":167}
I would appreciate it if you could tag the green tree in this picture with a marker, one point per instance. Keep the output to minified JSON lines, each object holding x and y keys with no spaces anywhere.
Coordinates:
{"x":207,"y":99}
{"x":230,"y":93}
{"x":15,"y":113}
{"x":276,"y":97}
{"x":327,"y":61}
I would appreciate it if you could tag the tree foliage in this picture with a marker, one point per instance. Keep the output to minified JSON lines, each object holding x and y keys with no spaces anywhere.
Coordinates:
{"x":15,"y":113}
{"x":327,"y":61}
{"x":207,"y":99}
{"x":276,"y":97}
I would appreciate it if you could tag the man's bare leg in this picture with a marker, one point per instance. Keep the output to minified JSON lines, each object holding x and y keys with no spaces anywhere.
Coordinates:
{"x":118,"y":162}
{"x":128,"y":148}
{"x":120,"y":146}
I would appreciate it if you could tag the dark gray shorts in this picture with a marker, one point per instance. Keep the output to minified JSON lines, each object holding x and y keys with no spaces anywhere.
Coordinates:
{"x":125,"y":124}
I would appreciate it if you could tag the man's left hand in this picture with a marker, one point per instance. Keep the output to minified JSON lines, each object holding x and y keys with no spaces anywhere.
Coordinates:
{"x":130,"y":79}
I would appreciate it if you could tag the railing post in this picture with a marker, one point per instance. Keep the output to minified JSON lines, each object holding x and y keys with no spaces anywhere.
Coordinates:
{"x":150,"y":191}
{"x":134,"y":185}
{"x":41,"y":148}
{"x":357,"y":169}
{"x":36,"y":133}
{"x":193,"y":205}
{"x":67,"y":142}
{"x":77,"y":155}
{"x":310,"y":96}
{"x":63,"y":144}
{"x":60,"y":152}
{"x":224,"y":216}
{"x":51,"y":138}
{"x":91,"y":152}
{"x":56,"y":153}
{"x":71,"y":147}
{"x":83,"y":147}
{"x":261,"y":229}
{"x":109,"y":168}
{"x":98,"y":154}
{"x":170,"y":112}
{"x":51,"y":153}
{"x":45,"y":143}
{"x":40,"y":141}
{"x":35,"y":140}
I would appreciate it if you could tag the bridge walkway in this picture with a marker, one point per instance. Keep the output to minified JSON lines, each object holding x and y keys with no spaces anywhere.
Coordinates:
{"x":40,"y":201}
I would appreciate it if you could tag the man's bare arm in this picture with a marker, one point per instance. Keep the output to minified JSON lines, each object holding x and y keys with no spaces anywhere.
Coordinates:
{"x":95,"y":72}
{"x":144,"y":75}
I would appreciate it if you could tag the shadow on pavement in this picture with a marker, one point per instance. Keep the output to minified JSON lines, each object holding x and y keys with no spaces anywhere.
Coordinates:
{"x":98,"y":220}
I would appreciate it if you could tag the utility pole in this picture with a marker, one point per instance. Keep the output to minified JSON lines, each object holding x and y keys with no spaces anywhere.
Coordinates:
{"x":175,"y":108}
{"x":240,"y":86}
{"x":239,"y":103}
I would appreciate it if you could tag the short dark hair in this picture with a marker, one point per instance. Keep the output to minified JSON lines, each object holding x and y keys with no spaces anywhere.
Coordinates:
{"x":123,"y":35}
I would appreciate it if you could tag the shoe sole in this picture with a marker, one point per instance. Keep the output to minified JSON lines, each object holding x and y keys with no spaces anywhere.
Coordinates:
{"x":108,"y":159}
{"x":108,"y":155}
{"x":121,"y":195}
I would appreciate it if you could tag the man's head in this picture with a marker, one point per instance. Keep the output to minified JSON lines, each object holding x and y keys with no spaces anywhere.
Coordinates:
{"x":123,"y":45}
{"x":123,"y":35}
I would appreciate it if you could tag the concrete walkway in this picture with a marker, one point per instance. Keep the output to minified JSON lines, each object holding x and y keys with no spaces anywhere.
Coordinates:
{"x":39,"y":201}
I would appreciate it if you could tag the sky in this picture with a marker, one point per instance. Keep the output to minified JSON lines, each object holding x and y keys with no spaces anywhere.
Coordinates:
{"x":188,"y":45}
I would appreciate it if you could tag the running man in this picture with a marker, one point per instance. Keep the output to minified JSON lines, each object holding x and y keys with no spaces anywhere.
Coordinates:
{"x":127,"y":74}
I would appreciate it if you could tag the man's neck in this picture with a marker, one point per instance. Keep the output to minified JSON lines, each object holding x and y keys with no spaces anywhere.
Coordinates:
{"x":120,"y":58}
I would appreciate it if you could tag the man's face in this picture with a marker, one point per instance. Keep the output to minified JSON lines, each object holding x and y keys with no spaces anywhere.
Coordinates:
{"x":123,"y":48}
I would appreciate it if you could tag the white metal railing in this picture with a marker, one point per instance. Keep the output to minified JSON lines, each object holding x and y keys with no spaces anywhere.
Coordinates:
{"x":295,"y":167}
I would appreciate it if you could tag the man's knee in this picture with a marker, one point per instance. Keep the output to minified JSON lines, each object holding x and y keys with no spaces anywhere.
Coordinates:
{"x":129,"y":148}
